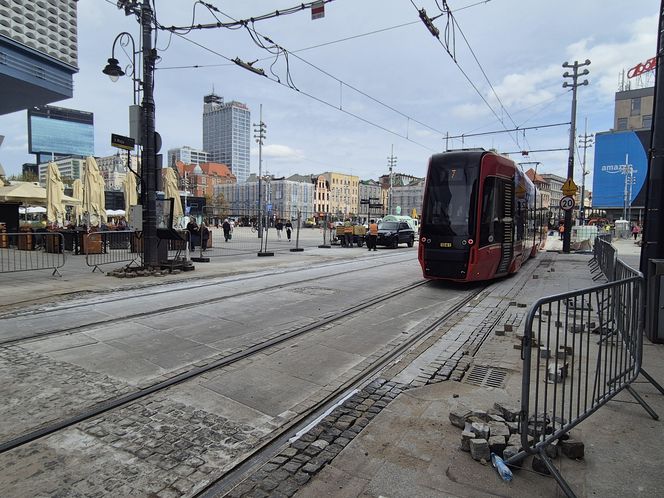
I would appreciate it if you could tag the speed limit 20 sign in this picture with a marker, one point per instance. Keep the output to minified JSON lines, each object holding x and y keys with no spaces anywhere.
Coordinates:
{"x":567,"y":203}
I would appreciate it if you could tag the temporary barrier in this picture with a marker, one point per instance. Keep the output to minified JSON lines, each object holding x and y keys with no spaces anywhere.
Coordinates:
{"x":113,"y":246}
{"x":605,"y":256}
{"x":566,"y":375}
{"x":25,"y":251}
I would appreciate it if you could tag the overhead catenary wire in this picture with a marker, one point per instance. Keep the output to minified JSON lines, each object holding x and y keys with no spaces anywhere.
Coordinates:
{"x":313,"y":97}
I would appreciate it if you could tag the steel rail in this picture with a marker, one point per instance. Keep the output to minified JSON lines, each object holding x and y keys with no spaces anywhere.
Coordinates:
{"x":112,"y":320}
{"x":272,"y":447}
{"x":114,"y":403}
{"x":255,"y":275}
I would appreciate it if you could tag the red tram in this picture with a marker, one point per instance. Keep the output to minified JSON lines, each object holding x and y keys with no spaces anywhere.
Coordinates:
{"x":481,"y":217}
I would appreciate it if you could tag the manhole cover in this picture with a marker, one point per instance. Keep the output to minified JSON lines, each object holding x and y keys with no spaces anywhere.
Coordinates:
{"x":485,"y":376}
{"x":313,"y":291}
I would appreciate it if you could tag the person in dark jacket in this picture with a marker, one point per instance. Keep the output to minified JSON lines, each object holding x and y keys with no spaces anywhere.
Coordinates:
{"x":227,"y":228}
{"x":289,"y":230}
{"x":280,"y":228}
{"x":194,"y":232}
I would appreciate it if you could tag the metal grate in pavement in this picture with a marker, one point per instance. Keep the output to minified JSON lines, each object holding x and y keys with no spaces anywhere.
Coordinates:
{"x":486,"y":376}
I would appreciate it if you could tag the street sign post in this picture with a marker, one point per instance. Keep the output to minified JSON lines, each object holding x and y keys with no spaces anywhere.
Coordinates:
{"x":567,"y":203}
{"x":121,"y":142}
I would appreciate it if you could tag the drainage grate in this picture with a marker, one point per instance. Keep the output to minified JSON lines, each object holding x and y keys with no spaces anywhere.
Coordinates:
{"x":484,"y":376}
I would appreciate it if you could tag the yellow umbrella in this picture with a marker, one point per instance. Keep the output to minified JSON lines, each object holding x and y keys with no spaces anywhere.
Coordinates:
{"x":77,"y":194}
{"x":171,"y":191}
{"x":54,"y":192}
{"x":130,"y":196}
{"x":93,"y":193}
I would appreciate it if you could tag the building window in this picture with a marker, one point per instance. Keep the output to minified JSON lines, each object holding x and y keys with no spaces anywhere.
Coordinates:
{"x":622,"y":124}
{"x":636,"y":107}
{"x":646,"y":121}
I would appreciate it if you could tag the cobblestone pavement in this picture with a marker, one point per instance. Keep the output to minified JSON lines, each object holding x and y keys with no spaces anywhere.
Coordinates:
{"x":294,"y":466}
{"x":155,"y":447}
{"x":39,"y":390}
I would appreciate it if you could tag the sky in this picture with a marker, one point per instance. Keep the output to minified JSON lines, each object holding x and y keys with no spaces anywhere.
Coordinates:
{"x":368,"y":80}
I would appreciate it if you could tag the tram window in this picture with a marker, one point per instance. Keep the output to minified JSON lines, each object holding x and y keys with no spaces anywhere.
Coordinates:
{"x":490,"y":220}
{"x":451,"y":197}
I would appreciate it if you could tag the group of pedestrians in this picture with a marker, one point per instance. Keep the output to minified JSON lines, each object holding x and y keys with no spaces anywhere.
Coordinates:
{"x":198,"y":234}
{"x":279,"y":226}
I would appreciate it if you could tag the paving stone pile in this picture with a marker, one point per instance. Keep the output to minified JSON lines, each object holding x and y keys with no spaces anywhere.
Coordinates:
{"x":497,"y":431}
{"x":295,"y":465}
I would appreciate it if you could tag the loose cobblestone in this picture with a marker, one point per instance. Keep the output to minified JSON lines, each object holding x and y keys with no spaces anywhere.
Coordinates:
{"x":308,"y":455}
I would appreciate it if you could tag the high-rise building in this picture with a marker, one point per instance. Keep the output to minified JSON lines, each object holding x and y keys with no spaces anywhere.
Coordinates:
{"x":227,"y":134}
{"x":187,"y":155}
{"x":38,"y":52}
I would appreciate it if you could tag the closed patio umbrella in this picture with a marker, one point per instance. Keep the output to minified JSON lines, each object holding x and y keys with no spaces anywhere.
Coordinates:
{"x":130,"y":195}
{"x":93,"y":193}
{"x":55,"y":210}
{"x":171,"y":191}
{"x":77,"y":194}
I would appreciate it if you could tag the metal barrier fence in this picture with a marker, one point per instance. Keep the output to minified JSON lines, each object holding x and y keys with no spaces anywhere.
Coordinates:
{"x":119,"y":246}
{"x":246,"y":240}
{"x":25,"y":251}
{"x":107,"y":247}
{"x":567,"y":376}
{"x":604,"y":260}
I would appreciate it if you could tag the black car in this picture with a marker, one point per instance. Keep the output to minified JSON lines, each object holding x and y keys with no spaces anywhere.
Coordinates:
{"x":393,"y":233}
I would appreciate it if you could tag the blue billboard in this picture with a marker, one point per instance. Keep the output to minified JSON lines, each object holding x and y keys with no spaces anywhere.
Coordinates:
{"x":615,"y":152}
{"x":60,"y":131}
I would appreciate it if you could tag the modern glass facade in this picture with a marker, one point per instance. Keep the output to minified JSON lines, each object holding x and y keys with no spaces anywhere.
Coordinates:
{"x":226,"y":134}
{"x":38,"y":52}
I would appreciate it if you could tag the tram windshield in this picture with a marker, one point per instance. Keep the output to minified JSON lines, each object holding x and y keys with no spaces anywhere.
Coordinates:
{"x":450,"y":200}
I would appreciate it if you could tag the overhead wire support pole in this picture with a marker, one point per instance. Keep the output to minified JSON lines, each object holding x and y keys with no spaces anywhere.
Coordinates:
{"x":391,"y":162}
{"x":260,"y":138}
{"x":572,"y":132}
{"x":585,"y":141}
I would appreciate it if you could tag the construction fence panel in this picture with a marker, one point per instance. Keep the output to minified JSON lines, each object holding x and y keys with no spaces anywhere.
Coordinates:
{"x":27,"y":251}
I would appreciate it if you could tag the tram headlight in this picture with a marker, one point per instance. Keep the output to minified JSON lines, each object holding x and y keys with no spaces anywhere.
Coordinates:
{"x":471,"y":242}
{"x":424,"y":239}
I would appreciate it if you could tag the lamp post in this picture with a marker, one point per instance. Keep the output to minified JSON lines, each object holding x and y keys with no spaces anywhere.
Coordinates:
{"x":149,"y":174}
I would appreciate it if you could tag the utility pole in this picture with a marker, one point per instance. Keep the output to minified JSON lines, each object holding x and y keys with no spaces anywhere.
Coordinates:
{"x":626,"y":172}
{"x":585,"y":141}
{"x":572,"y":132}
{"x":391,"y":162}
{"x":260,"y":137}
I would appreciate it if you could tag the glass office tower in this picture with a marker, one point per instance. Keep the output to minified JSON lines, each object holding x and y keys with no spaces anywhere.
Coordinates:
{"x":227,"y":134}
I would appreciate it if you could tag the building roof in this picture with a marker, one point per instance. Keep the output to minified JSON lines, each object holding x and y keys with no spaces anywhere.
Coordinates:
{"x":210,"y":169}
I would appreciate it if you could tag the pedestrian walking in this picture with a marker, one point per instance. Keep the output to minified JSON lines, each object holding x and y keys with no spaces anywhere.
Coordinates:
{"x":561,"y":231}
{"x":289,"y":230}
{"x":280,"y":228}
{"x":205,"y":235}
{"x":227,"y":228}
{"x":635,"y":231}
{"x":372,"y":239}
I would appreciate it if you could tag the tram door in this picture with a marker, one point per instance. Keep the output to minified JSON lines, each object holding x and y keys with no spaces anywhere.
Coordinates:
{"x":506,"y":230}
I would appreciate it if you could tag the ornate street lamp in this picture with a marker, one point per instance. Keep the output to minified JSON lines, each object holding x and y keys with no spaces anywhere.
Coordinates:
{"x":149,"y":139}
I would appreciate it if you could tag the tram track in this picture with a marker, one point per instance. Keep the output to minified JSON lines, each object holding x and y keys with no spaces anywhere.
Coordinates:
{"x":194,"y":372}
{"x":82,"y":327}
{"x":316,"y":412}
{"x":96,"y":298}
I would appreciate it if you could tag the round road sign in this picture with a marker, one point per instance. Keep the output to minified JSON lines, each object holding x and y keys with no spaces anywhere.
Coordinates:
{"x":567,"y":203}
